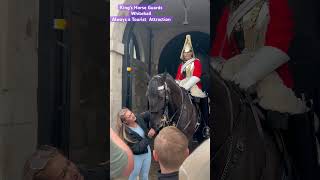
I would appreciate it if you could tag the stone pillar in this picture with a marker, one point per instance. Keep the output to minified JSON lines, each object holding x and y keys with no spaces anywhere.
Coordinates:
{"x":116,"y":57}
{"x":18,"y":84}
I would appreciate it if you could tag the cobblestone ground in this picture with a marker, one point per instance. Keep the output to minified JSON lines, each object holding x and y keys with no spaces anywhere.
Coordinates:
{"x":155,"y":166}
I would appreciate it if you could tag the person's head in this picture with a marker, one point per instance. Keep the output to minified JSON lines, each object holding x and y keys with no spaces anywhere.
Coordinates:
{"x":170,"y":148}
{"x":47,"y":163}
{"x":187,"y":51}
{"x":125,"y":117}
{"x":187,"y":55}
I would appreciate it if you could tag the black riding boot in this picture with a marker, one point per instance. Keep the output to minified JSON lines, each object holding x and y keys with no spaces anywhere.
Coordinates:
{"x":203,"y":131}
{"x":205,"y":117}
{"x":302,"y":145}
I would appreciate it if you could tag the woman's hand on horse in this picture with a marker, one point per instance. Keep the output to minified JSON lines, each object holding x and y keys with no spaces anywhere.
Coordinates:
{"x":151,"y":132}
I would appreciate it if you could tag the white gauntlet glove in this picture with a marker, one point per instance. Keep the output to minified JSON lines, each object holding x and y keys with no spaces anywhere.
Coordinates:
{"x":265,"y":60}
{"x":191,"y":82}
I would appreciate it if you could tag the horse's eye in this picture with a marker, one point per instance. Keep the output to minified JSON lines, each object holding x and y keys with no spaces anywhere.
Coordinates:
{"x":161,"y":93}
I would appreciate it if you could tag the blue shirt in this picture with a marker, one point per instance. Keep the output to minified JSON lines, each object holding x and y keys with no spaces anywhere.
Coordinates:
{"x":138,"y":130}
{"x":141,"y":133}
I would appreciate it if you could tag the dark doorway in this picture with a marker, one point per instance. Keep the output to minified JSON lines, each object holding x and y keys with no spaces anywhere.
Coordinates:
{"x":73,"y":98}
{"x":88,"y":90}
{"x":53,"y":78}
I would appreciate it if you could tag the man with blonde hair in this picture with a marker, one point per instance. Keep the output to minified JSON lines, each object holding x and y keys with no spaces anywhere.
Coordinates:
{"x":170,"y":150}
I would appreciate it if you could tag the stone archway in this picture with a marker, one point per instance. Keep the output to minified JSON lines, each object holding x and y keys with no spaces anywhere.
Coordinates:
{"x":169,"y":54}
{"x":117,"y":32}
{"x":169,"y":35}
{"x":160,"y":35}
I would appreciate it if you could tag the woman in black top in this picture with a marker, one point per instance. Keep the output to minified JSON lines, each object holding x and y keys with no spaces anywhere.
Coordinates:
{"x":136,"y":133}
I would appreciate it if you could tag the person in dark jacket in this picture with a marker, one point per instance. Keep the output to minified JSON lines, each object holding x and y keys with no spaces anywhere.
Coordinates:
{"x":134,"y":130}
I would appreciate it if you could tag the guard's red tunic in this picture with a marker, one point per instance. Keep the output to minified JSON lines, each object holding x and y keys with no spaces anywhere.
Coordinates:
{"x":279,"y":35}
{"x":197,"y":71}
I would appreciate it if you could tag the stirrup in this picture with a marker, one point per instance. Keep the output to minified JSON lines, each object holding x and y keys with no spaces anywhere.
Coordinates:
{"x":206,"y":132}
{"x":197,"y":126}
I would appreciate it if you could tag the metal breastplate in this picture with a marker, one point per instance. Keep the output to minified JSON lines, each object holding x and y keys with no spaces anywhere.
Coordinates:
{"x":188,"y":70}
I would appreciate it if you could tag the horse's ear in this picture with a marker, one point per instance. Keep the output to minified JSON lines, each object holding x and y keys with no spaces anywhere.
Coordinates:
{"x":166,"y":74}
{"x":163,"y":77}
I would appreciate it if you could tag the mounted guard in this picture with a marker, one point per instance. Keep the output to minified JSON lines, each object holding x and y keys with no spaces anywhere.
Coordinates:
{"x":251,"y":49}
{"x":189,"y":77}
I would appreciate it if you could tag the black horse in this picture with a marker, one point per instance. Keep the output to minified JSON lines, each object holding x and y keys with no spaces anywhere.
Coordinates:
{"x":170,"y":104}
{"x":241,"y":148}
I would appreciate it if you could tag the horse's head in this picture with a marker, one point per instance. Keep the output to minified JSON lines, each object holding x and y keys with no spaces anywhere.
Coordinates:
{"x":158,"y":97}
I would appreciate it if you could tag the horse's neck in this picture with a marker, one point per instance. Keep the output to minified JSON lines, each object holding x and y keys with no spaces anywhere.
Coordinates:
{"x":179,"y":104}
{"x":226,"y":104}
{"x":175,"y":98}
{"x":182,"y":111}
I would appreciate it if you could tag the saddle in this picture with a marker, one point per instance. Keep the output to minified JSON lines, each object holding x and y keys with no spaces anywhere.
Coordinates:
{"x":283,"y":126}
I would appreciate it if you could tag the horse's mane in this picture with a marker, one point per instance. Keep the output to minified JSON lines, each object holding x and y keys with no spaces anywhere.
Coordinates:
{"x":153,"y":85}
{"x":155,"y":81}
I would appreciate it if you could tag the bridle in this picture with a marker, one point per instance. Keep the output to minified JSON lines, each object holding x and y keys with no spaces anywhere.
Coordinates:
{"x":165,"y":119}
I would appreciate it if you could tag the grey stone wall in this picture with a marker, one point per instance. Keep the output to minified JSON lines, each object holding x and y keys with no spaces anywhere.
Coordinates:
{"x":139,"y":86}
{"x":18,"y":85}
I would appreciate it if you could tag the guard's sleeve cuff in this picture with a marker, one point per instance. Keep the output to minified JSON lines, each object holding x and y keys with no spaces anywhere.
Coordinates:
{"x":265,"y":60}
